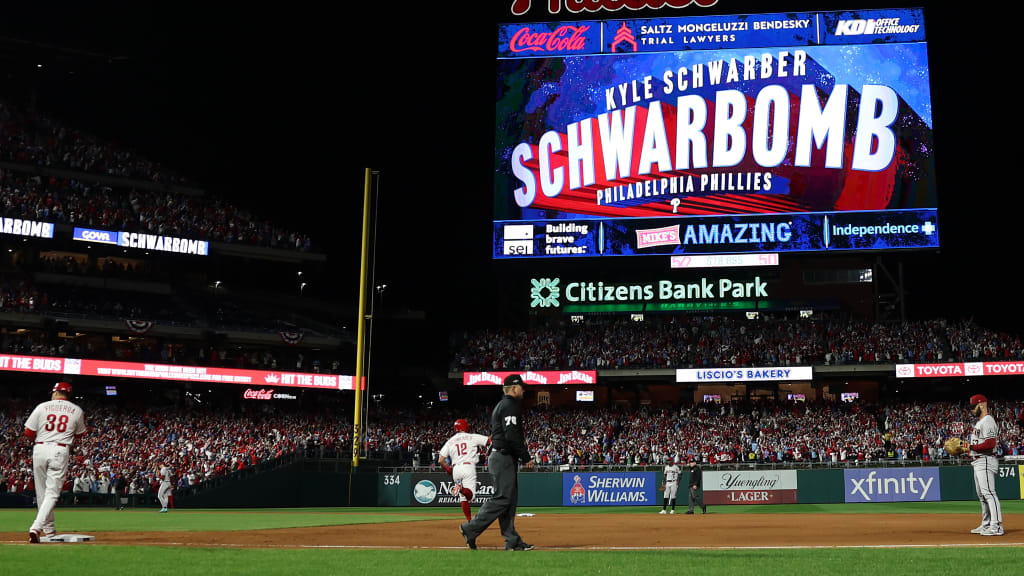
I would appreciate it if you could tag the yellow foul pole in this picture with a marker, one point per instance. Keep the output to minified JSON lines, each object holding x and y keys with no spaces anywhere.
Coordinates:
{"x":361,"y":332}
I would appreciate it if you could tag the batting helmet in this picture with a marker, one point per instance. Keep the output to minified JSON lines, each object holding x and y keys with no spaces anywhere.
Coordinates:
{"x":461,"y":425}
{"x":62,"y":387}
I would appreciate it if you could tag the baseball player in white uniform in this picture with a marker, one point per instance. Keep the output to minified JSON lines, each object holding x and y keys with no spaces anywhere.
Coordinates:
{"x":986,"y":465}
{"x":463,"y":450}
{"x":164,"y":494}
{"x":54,"y":426}
{"x":671,"y":486}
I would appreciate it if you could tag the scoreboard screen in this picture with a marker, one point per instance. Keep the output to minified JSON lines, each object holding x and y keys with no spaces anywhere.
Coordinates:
{"x":763,"y":133}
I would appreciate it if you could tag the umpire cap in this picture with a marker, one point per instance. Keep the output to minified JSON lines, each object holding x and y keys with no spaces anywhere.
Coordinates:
{"x":62,"y":387}
{"x":513,"y":380}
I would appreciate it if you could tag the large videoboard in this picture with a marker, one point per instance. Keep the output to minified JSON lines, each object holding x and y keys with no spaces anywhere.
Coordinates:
{"x":796,"y":132}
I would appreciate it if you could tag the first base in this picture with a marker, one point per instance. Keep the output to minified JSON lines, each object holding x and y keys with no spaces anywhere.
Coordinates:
{"x":68,"y":538}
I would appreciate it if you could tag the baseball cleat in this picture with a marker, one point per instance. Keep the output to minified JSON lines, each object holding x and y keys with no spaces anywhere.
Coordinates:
{"x":688,"y":512}
{"x":993,"y":530}
{"x":33,"y":537}
{"x":662,"y":512}
{"x":163,"y":510}
{"x":704,"y":510}
{"x":980,"y":529}
{"x":672,"y":512}
{"x":521,"y":547}
{"x":471,"y":542}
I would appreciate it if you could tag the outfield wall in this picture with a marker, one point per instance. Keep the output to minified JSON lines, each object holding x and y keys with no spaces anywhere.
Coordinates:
{"x":721,"y":487}
{"x":310,"y":484}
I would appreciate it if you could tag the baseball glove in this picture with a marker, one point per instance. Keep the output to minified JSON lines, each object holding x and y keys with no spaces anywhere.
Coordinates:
{"x":955,"y":447}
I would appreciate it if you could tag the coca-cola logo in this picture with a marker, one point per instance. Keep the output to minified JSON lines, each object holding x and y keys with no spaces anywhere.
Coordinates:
{"x":251,"y":394}
{"x":520,"y":7}
{"x":563,"y":39}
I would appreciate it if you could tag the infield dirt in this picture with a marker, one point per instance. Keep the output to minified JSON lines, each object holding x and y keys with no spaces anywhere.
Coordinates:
{"x":608,"y":531}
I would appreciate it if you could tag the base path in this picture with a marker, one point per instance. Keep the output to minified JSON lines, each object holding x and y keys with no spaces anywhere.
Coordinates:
{"x":611,"y":531}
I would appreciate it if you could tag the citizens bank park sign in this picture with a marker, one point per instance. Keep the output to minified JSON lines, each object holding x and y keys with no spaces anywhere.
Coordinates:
{"x":552,"y":377}
{"x":171,"y":372}
{"x":955,"y":369}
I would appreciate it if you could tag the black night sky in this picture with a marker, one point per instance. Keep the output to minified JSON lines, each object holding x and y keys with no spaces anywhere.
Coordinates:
{"x":281,"y":111}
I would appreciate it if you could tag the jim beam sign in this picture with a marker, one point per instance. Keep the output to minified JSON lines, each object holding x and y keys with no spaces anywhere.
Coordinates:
{"x":757,"y":487}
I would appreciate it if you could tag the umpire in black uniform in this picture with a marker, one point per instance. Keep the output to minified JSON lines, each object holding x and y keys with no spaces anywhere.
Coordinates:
{"x":508,"y":449}
{"x":695,"y":494}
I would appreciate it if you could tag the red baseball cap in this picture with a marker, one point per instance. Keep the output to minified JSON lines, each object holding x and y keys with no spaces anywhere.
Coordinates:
{"x":978,"y":399}
{"x":62,"y":387}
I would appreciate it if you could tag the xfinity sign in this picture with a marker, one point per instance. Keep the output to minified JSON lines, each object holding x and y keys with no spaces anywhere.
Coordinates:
{"x":892,"y":485}
{"x":548,"y":292}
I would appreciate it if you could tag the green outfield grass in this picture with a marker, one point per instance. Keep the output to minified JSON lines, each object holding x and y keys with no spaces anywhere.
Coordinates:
{"x":111,"y":560}
{"x":156,"y":561}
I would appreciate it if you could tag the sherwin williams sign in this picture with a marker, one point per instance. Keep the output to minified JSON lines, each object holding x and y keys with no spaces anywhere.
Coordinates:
{"x":892,"y":485}
{"x":609,"y":489}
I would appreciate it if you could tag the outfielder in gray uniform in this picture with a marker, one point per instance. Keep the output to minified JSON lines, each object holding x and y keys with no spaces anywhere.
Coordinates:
{"x":986,"y":465}
{"x":164,"y":495}
{"x":671,"y":487}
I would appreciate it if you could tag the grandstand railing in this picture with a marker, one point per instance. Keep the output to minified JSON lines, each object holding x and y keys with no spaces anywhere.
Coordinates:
{"x":804,"y":465}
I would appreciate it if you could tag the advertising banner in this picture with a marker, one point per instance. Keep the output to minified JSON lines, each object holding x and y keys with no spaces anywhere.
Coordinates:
{"x":609,"y":488}
{"x":954,"y":369}
{"x":753,"y":487}
{"x":788,"y":132}
{"x":30,"y":228}
{"x":892,"y":485}
{"x":437,"y":489}
{"x":717,"y":375}
{"x":174,"y":372}
{"x":531,"y":378}
{"x":143,"y":241}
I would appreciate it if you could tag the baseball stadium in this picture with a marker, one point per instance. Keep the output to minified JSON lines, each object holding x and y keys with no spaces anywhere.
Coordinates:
{"x":736,"y":303}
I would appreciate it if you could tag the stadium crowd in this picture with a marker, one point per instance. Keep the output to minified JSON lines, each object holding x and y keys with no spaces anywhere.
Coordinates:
{"x":93,"y":204}
{"x":36,"y":139}
{"x":121,"y":447}
{"x":759,"y":432}
{"x":720,"y":341}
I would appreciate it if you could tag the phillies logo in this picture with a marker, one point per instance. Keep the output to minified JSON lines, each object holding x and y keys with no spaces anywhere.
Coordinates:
{"x":563,"y":39}
{"x":520,"y":7}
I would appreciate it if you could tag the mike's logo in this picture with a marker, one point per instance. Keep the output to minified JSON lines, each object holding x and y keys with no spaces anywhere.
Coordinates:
{"x":520,"y":7}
